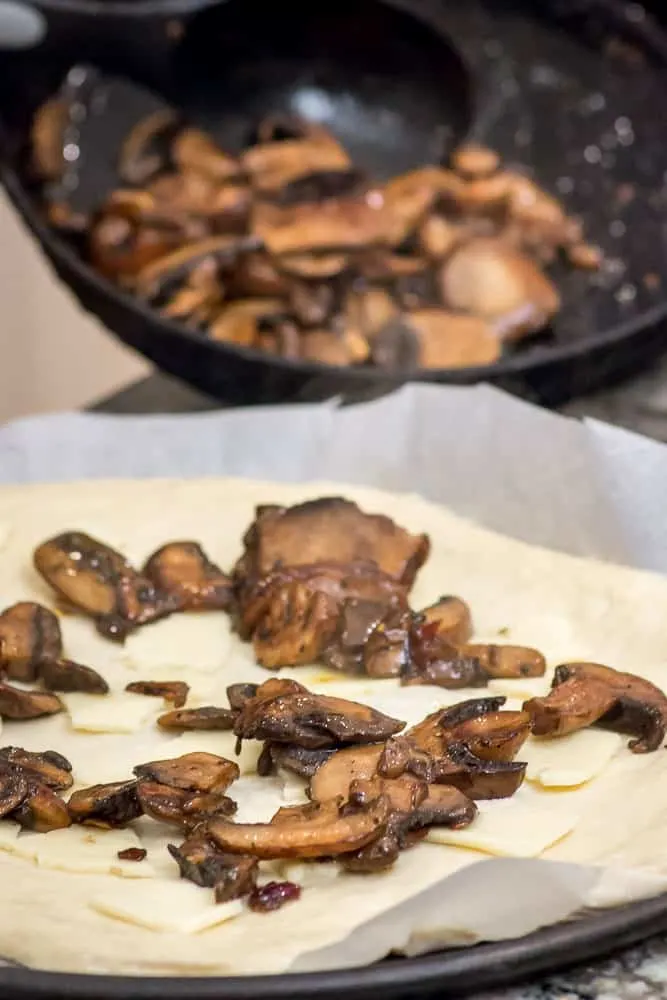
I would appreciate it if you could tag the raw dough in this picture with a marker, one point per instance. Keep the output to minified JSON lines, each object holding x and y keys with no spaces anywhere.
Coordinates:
{"x":569,"y":608}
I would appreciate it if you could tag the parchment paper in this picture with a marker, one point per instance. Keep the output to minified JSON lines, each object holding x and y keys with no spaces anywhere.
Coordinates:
{"x":584,"y":488}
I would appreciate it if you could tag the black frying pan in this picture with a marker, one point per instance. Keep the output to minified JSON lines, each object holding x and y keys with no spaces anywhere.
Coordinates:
{"x":572,"y":89}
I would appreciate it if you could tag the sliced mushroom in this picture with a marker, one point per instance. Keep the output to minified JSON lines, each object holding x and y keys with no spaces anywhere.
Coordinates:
{"x":334,"y":777}
{"x":276,"y":163}
{"x":65,"y":675}
{"x":121,"y":248}
{"x":497,"y":284}
{"x":107,"y":806}
{"x":312,"y":266}
{"x":175,"y":692}
{"x":388,"y":650}
{"x":29,"y":636}
{"x":194,"y":772}
{"x":313,"y":721}
{"x":296,"y":759}
{"x":47,"y":138}
{"x":183,"y":569}
{"x":209,"y":717}
{"x":193,"y":150}
{"x":321,"y":185}
{"x":98,"y":580}
{"x":312,"y":303}
{"x":506,"y":661}
{"x":495,"y":735}
{"x":334,"y":347}
{"x":408,"y":198}
{"x":438,"y":236}
{"x":396,"y":346}
{"x":473,"y":160}
{"x":369,"y":310}
{"x":201,"y":862}
{"x":179,"y":806}
{"x":338,"y":226}
{"x":434,"y":660}
{"x":573,"y":705}
{"x":173,"y":267}
{"x":320,"y":831}
{"x":453,"y":340}
{"x":326,"y":531}
{"x":42,"y":810}
{"x":479,"y":779}
{"x":144,"y":150}
{"x":453,"y":618}
{"x":48,"y":767}
{"x":15,"y":703}
{"x":14,"y":789}
{"x":239,"y":694}
{"x":240,"y":322}
{"x":357,"y":621}
{"x":255,"y":275}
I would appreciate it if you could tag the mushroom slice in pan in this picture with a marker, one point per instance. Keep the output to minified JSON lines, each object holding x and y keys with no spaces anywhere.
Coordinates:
{"x":42,"y":810}
{"x":472,"y":161}
{"x":313,"y":721}
{"x":29,"y":636}
{"x":311,"y":303}
{"x":173,"y":267}
{"x":121,"y":248}
{"x":175,"y":692}
{"x":65,"y":675}
{"x":334,"y":777}
{"x":408,"y":198}
{"x":453,"y":340}
{"x":195,"y":772}
{"x":240,"y":322}
{"x":15,"y":703}
{"x":396,"y":346}
{"x":369,"y":310}
{"x":312,"y":266}
{"x":329,"y":530}
{"x":202,"y":862}
{"x":453,"y":618}
{"x":314,"y":831}
{"x":255,"y":275}
{"x":144,"y":151}
{"x":335,"y":347}
{"x":488,"y":279}
{"x":47,"y":136}
{"x":98,"y":580}
{"x":108,"y":806}
{"x":274,"y":164}
{"x":321,"y":185}
{"x":506,"y":661}
{"x":183,"y":570}
{"x":192,"y":149}
{"x":48,"y":767}
{"x":338,"y":226}
{"x":209,"y":717}
{"x":433,"y":733}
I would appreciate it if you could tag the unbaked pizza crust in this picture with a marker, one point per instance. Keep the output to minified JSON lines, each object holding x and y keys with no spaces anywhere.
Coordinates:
{"x":569,"y":608}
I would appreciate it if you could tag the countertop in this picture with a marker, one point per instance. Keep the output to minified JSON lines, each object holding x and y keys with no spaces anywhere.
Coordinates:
{"x":639,"y":973}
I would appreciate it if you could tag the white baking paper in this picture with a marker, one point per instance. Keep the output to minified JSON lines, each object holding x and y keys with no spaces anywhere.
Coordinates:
{"x":582,"y":487}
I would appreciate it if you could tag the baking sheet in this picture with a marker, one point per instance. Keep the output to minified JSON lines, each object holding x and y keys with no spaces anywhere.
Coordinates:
{"x":583,"y":488}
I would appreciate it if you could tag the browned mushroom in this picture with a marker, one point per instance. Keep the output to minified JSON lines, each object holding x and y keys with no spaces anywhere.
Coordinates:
{"x":240,"y":322}
{"x":275,"y":163}
{"x":239,"y":694}
{"x":321,"y":185}
{"x":329,"y":530}
{"x":334,"y":777}
{"x":48,"y":767}
{"x":351,"y":647}
{"x":65,"y":675}
{"x":181,"y":807}
{"x":298,"y":760}
{"x":312,"y":266}
{"x":207,"y":717}
{"x":105,"y":806}
{"x":140,"y":158}
{"x":369,"y":310}
{"x":194,"y":772}
{"x":506,"y":661}
{"x":334,"y":347}
{"x":47,"y":138}
{"x":193,"y":150}
{"x":98,"y":580}
{"x":29,"y":636}
{"x":573,"y":705}
{"x":14,"y":788}
{"x":255,"y":275}
{"x":493,"y":736}
{"x":453,"y":340}
{"x":453,"y":618}
{"x":175,"y":692}
{"x":408,"y":198}
{"x":202,"y":862}
{"x":338,"y":226}
{"x":319,"y":831}
{"x":311,"y":302}
{"x":183,"y":569}
{"x":313,"y":721}
{"x":438,"y":236}
{"x":15,"y":703}
{"x":171,"y":267}
{"x":292,"y":614}
{"x":434,"y":660}
{"x":42,"y":810}
{"x":492,"y":281}
{"x":121,"y":248}
{"x":473,"y":160}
